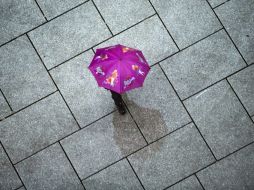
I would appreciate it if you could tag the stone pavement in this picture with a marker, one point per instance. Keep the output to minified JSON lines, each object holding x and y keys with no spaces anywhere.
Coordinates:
{"x":190,"y":126}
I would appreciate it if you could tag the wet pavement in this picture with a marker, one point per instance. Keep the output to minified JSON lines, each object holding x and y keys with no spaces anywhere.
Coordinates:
{"x":189,"y":127}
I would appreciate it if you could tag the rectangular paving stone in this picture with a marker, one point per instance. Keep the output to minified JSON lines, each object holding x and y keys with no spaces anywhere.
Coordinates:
{"x":102,"y":143}
{"x":48,"y":169}
{"x":191,"y":183}
{"x":202,"y":64}
{"x":122,"y":14}
{"x":234,"y":172}
{"x":17,"y":17}
{"x":4,"y":107}
{"x":215,"y":3}
{"x":70,"y":34}
{"x":87,"y":101}
{"x":221,"y":119}
{"x":187,"y":21}
{"x":36,"y":127}
{"x":8,"y":177}
{"x":149,"y":36}
{"x":119,"y":176}
{"x":238,"y":19}
{"x":54,"y":8}
{"x":23,"y":78}
{"x":172,"y":158}
{"x":243,"y":84}
{"x":155,"y":107}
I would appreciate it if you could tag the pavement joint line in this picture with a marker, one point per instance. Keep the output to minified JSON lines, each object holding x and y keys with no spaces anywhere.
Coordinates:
{"x":164,"y":25}
{"x":53,"y":81}
{"x":136,"y":123}
{"x":135,"y":174}
{"x":72,"y":165}
{"x":6,"y":100}
{"x":102,"y":18}
{"x":194,"y":94}
{"x":19,"y":187}
{"x":239,"y":100}
{"x":1,"y":144}
{"x":227,"y":33}
{"x":199,"y":181}
{"x":185,"y":48}
{"x":15,"y":112}
{"x":220,"y":4}
{"x":210,"y":165}
{"x":41,"y":10}
{"x":188,"y":113}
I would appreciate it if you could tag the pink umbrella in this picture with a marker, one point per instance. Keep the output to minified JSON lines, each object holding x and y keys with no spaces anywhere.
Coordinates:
{"x":119,"y":68}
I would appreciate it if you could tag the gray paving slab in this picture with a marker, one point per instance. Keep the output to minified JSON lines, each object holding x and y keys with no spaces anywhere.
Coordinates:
{"x":8,"y":177}
{"x":234,"y":172}
{"x":221,"y":119}
{"x":191,"y":183}
{"x":215,"y":3}
{"x":243,"y":84}
{"x":119,"y":176}
{"x":238,"y":19}
{"x":24,"y":79}
{"x":150,"y":37}
{"x":87,"y":101}
{"x":172,"y":158}
{"x":202,"y":64}
{"x":187,"y":21}
{"x":69,"y":35}
{"x":36,"y":127}
{"x":18,"y":17}
{"x":122,"y":14}
{"x":102,"y":143}
{"x":155,"y":107}
{"x":54,"y":8}
{"x":4,"y":107}
{"x":48,"y":169}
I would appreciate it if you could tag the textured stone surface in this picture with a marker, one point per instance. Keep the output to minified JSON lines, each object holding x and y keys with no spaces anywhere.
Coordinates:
{"x":243,"y":84}
{"x":23,"y":78}
{"x":4,"y":107}
{"x":221,"y":119}
{"x":234,"y":172}
{"x":17,"y":17}
{"x":215,"y":3}
{"x":36,"y":127}
{"x":172,"y":158}
{"x":149,"y":36}
{"x":122,"y":14}
{"x":187,"y":21}
{"x":54,"y":8}
{"x":69,"y":34}
{"x":119,"y":176}
{"x":151,"y":106}
{"x":238,"y":19}
{"x":202,"y":64}
{"x":79,"y":88}
{"x":191,"y":183}
{"x":22,"y":188}
{"x":48,"y":169}
{"x":8,"y":177}
{"x":102,"y":143}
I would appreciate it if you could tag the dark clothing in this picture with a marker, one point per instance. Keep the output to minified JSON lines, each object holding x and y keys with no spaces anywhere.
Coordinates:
{"x":117,"y":98}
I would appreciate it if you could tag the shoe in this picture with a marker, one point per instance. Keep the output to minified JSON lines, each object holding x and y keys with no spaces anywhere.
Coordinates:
{"x":121,"y":109}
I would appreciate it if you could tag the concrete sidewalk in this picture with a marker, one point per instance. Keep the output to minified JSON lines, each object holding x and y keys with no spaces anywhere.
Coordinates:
{"x":190,"y":127}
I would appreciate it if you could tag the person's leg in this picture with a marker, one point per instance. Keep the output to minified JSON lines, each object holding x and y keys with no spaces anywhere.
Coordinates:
{"x":118,"y":101}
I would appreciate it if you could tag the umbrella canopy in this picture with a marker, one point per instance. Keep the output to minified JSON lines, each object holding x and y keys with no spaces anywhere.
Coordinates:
{"x":119,"y":68}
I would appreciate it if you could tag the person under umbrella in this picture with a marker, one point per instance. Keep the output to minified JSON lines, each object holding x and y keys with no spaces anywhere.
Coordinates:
{"x":119,"y":69}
